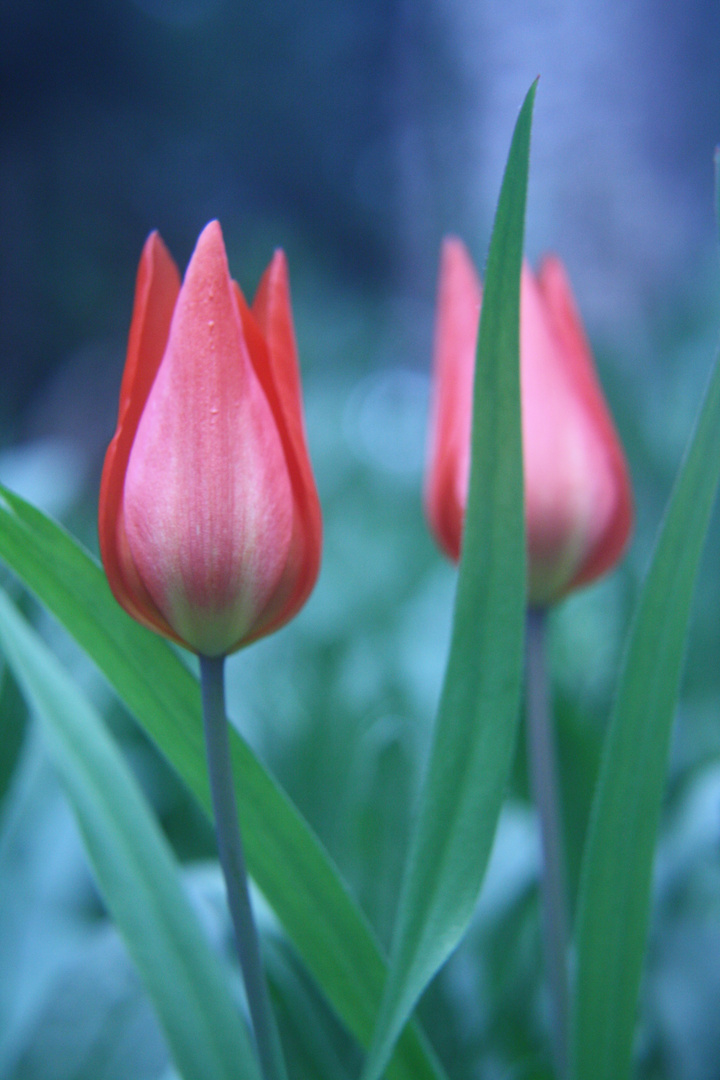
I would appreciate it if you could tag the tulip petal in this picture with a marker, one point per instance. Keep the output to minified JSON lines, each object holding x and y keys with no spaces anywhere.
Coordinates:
{"x":270,"y":335}
{"x":567,"y":326}
{"x":564,"y":460}
{"x":207,"y":501}
{"x":459,"y":299}
{"x":156,"y":290}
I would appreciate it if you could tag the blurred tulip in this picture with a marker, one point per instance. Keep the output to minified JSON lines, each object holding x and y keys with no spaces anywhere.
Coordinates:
{"x":578,"y":502}
{"x":209,"y":520}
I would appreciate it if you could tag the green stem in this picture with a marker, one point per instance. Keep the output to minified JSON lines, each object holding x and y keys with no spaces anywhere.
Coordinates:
{"x":232,"y":861}
{"x":543,"y":777}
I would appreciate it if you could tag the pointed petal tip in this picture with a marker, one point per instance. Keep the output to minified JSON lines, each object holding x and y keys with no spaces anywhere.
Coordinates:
{"x":272,"y":304}
{"x":210,"y":246}
{"x":453,"y":252}
{"x":551,"y":265}
{"x":458,"y":279}
{"x":276,"y":277}
{"x":208,"y":263}
{"x":450,"y":242}
{"x":554,"y":281}
{"x":155,"y":250}
{"x":212,"y":229}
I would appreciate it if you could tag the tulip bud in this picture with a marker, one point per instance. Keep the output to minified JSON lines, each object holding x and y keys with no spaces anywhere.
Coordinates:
{"x":578,"y":503}
{"x":209,"y":519}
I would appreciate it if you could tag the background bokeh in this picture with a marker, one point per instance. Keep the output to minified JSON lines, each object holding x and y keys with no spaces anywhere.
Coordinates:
{"x":355,"y":135}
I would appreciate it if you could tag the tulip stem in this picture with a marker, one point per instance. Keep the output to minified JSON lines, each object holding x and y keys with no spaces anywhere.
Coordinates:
{"x":544,"y":782}
{"x":232,"y":860}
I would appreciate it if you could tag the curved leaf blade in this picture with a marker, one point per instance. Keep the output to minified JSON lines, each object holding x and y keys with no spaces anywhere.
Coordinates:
{"x":614,"y":901}
{"x":134,"y":867}
{"x":284,"y":856}
{"x":477,"y":719}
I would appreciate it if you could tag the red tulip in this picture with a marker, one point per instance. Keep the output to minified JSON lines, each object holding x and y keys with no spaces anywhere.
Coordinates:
{"x":578,"y":503}
{"x":209,"y":520}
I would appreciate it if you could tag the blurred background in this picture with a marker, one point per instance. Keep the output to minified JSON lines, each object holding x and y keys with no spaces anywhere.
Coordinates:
{"x":355,"y":135}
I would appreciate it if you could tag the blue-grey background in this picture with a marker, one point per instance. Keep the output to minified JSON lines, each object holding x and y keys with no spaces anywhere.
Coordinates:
{"x":355,"y":135}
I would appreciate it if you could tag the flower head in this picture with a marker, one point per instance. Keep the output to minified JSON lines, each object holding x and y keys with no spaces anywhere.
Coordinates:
{"x":578,"y":503}
{"x":209,"y":520}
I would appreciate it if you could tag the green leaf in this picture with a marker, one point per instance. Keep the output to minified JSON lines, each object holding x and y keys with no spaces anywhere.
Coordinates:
{"x":135,"y":869}
{"x":476,"y":725}
{"x":284,"y":857}
{"x":614,"y":900}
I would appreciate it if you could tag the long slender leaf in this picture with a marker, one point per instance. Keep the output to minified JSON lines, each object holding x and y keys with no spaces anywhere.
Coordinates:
{"x":284,"y":856}
{"x":614,"y":900}
{"x":134,"y":867}
{"x":477,"y":719}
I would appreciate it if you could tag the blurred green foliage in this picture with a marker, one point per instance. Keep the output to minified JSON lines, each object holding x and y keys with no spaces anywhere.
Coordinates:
{"x":310,"y":126}
{"x":339,"y":705}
